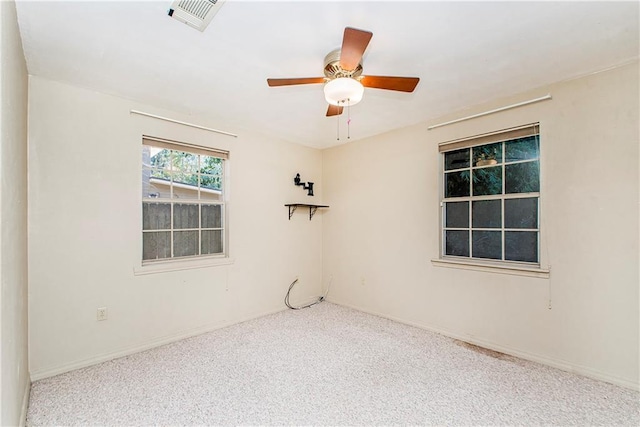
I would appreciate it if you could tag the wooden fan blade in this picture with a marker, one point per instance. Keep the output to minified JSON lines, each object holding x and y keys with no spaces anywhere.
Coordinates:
{"x":402,"y":84}
{"x":354,"y":43}
{"x":299,"y":81}
{"x":334,"y":110}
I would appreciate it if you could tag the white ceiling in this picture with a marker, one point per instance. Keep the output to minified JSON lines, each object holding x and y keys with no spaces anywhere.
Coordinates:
{"x":464,"y":53}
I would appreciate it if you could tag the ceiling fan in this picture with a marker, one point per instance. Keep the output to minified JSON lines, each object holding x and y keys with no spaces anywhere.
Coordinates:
{"x":344,"y":82}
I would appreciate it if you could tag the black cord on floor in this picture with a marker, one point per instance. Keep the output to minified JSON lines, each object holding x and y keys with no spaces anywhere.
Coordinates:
{"x":288,"y":304}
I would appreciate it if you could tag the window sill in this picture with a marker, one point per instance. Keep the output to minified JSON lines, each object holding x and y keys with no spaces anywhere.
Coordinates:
{"x":516,"y":270}
{"x":177,"y":265}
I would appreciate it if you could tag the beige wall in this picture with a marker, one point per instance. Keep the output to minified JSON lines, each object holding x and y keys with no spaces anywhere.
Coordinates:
{"x":383,"y":230}
{"x":85,"y":231}
{"x":14,"y":373}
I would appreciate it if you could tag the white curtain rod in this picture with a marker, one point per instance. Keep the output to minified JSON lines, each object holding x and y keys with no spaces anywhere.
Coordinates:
{"x":508,"y":107}
{"x":142,"y":113}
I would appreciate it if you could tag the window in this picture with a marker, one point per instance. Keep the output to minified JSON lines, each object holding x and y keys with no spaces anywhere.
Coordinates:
{"x":491,"y":196}
{"x":183,"y":203}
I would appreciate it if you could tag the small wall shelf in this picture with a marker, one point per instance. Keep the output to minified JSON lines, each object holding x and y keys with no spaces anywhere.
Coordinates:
{"x":312,"y":208}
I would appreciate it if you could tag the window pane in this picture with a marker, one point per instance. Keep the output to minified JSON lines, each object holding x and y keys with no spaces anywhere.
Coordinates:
{"x":521,"y":213}
{"x":185,"y":186}
{"x":521,"y":246}
{"x":185,"y":162}
{"x":213,"y":182}
{"x":211,"y":216}
{"x":161,"y":174}
{"x":489,"y":154}
{"x":211,"y":242}
{"x":157,"y":190}
{"x":146,"y":185}
{"x":156,"y":245}
{"x":208,"y":194}
{"x":522,"y":178}
{"x":456,"y":159}
{"x":161,"y":178}
{"x":156,"y":183}
{"x":156,"y":216}
{"x":487,"y":244}
{"x":211,"y":165}
{"x":183,"y":179}
{"x":487,"y":214}
{"x":185,"y":243}
{"x":522,"y":149}
{"x":457,"y":214}
{"x":146,"y":156}
{"x":456,"y":184}
{"x":185,"y":216}
{"x":487,"y":181}
{"x":160,"y":158}
{"x":457,"y":243}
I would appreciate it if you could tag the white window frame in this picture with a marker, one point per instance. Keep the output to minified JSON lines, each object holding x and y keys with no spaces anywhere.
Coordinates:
{"x":194,"y":261}
{"x":533,"y":269}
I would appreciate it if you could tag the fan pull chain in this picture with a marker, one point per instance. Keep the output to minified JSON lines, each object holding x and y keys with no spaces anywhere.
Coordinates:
{"x":348,"y":119}
{"x":338,"y":119}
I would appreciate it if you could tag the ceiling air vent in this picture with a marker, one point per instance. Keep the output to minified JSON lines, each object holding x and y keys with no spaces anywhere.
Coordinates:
{"x":195,"y":13}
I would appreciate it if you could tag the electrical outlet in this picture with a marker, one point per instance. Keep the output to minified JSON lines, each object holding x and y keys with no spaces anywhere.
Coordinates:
{"x":102,"y":313}
{"x":362,"y":281}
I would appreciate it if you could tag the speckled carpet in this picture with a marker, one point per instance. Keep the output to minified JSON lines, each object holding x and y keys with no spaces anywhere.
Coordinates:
{"x":327,"y":365}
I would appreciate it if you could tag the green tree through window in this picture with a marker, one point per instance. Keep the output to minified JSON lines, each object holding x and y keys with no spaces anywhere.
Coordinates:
{"x":188,"y":168}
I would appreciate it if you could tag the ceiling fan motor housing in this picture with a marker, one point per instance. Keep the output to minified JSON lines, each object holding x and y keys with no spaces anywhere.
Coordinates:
{"x":333,"y":70}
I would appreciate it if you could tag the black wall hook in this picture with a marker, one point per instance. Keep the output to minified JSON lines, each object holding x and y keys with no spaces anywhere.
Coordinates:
{"x":307,"y":186}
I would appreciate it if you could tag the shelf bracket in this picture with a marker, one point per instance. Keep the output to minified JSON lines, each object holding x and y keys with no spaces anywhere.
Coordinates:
{"x":312,"y":208}
{"x":292,"y":209}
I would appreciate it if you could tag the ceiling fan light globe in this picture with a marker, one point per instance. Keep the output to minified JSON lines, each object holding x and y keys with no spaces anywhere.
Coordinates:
{"x":343,"y":91}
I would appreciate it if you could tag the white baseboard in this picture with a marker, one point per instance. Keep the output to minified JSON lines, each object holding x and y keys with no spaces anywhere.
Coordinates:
{"x":83,"y":363}
{"x":554,"y":363}
{"x":25,"y":404}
